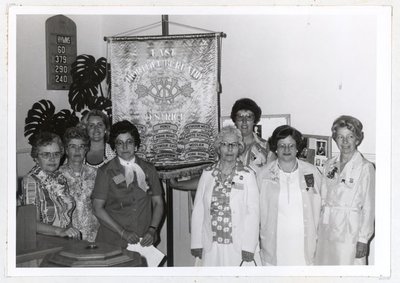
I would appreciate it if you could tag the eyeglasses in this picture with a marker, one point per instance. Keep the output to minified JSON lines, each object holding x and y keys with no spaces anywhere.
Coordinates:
{"x":290,"y":146}
{"x":77,"y":146}
{"x":48,"y":155}
{"x":247,"y":117}
{"x":229,"y":144}
{"x":127,"y":143}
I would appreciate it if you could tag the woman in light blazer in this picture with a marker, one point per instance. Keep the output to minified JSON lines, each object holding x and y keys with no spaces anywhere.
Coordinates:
{"x":290,"y":203}
{"x":225,"y":218}
{"x":348,"y":194}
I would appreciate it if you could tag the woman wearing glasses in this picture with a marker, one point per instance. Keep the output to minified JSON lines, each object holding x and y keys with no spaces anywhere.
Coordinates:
{"x":290,"y":203}
{"x":46,"y":188}
{"x":80,"y":178}
{"x":246,"y":114}
{"x":225,"y":218}
{"x":127,"y":196}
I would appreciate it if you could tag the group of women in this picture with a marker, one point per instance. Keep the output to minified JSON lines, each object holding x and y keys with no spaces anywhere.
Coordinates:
{"x":103,"y":192}
{"x":260,"y":196}
{"x":257,"y":203}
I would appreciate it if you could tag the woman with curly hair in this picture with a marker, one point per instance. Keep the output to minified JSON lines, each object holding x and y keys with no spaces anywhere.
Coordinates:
{"x":46,"y":188}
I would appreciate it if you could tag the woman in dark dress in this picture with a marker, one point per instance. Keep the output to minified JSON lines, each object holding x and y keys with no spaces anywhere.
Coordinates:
{"x":127,"y":196}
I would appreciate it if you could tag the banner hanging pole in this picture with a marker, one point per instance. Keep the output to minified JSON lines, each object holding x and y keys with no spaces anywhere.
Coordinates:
{"x":170,"y":214}
{"x":165,"y":25}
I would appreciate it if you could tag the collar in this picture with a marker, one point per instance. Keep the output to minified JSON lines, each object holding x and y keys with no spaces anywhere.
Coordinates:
{"x":125,"y":163}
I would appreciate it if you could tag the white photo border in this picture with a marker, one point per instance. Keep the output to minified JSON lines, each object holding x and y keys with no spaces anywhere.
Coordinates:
{"x":383,"y":154}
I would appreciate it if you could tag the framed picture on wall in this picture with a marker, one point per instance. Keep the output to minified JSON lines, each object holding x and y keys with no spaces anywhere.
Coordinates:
{"x":267,"y":124}
{"x":318,"y":149}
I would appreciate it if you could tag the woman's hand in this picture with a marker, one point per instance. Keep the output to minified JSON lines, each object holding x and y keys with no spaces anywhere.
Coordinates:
{"x":361,"y":250}
{"x":70,"y":233}
{"x":196,"y":252}
{"x":149,"y":238}
{"x":247,"y":256}
{"x":130,"y":237}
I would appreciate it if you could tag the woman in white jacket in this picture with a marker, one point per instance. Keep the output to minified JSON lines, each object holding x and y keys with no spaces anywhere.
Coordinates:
{"x":225,"y":218}
{"x":290,"y":203}
{"x":348,"y":194}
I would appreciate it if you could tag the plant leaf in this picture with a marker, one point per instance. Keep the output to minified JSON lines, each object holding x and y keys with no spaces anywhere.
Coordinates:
{"x":79,"y":96}
{"x":87,"y":75}
{"x":39,"y":118}
{"x":86,"y":71}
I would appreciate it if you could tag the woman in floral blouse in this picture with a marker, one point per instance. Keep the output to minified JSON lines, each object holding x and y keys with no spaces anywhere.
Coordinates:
{"x":46,"y":188}
{"x":225,"y":218}
{"x":80,"y":178}
{"x":348,"y":194}
{"x":290,"y":203}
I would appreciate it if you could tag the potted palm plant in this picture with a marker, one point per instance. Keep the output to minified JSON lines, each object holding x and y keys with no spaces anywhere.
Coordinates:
{"x":85,"y":93}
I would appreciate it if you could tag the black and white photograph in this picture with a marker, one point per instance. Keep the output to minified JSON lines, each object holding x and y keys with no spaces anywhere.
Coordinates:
{"x":321,"y":148}
{"x":180,"y":141}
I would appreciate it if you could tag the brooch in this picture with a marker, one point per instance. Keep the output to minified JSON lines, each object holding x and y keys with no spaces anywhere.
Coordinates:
{"x":309,"y":181}
{"x":331,"y":174}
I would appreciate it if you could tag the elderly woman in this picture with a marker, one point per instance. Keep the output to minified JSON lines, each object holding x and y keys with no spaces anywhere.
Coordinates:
{"x":46,"y":188}
{"x":290,"y":203}
{"x":225,"y":218}
{"x":127,"y":196}
{"x":98,"y":128}
{"x":348,"y":193}
{"x":80,"y":178}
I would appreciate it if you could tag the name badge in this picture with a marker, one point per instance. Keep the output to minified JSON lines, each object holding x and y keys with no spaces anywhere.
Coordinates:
{"x":119,"y":179}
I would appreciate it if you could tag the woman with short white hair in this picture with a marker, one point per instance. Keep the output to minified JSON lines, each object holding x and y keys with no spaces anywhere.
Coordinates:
{"x":225,"y":218}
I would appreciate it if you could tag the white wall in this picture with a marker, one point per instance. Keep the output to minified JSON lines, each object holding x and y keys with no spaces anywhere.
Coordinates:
{"x":315,"y":68}
{"x":312,"y":67}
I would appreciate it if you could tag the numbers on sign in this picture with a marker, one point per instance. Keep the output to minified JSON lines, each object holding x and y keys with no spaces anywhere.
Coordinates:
{"x":61,"y":49}
{"x":61,"y":69}
{"x":61,"y":79}
{"x":61,"y":59}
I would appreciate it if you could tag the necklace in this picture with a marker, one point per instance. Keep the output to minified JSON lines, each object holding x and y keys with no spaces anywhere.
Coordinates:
{"x":224,"y":178}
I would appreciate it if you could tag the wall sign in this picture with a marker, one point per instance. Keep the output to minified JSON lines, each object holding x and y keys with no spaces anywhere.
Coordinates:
{"x":60,"y":51}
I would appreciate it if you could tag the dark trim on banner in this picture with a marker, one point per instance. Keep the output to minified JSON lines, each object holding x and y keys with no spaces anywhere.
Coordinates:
{"x":163,"y":37}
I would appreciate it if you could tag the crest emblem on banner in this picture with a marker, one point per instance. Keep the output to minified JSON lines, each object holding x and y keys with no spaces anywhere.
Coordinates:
{"x":164,"y":90}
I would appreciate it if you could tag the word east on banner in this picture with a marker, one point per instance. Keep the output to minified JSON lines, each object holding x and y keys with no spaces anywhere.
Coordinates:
{"x":168,"y":88}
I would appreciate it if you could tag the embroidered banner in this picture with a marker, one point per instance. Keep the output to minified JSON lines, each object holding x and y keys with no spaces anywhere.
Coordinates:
{"x":168,"y":87}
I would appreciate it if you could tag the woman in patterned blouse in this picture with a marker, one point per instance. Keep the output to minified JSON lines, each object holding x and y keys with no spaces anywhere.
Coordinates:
{"x":46,"y":188}
{"x":225,"y":219}
{"x":80,"y":178}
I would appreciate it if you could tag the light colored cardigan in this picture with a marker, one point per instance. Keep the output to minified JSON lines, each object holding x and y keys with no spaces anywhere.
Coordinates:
{"x":268,"y":182}
{"x":244,"y":204}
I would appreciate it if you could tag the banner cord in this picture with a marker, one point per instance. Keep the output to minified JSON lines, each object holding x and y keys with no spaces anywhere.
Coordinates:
{"x":153,"y":25}
{"x":149,"y":26}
